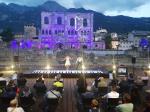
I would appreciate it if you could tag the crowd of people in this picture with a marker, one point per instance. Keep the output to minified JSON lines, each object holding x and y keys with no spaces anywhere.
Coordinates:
{"x":16,"y":96}
{"x":122,"y":94}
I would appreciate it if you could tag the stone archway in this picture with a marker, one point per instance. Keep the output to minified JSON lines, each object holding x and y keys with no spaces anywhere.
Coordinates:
{"x":84,"y":46}
{"x":59,"y":45}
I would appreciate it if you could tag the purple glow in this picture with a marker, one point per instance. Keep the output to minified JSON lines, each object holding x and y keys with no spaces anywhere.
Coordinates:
{"x":69,"y":29}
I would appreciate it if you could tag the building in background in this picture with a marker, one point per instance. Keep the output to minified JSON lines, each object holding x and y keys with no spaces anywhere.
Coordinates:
{"x":115,"y":40}
{"x":100,"y":34}
{"x":19,"y":36}
{"x":136,"y":36}
{"x":66,"y":30}
{"x":125,"y":45}
{"x":29,"y":32}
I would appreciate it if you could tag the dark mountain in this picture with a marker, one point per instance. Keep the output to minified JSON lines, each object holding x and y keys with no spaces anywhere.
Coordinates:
{"x":16,"y":16}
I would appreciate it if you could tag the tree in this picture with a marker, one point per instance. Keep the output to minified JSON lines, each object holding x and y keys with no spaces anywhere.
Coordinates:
{"x":108,"y":42}
{"x":7,"y":35}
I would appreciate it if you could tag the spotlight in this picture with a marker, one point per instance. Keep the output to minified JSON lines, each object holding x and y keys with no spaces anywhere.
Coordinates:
{"x":149,"y":66}
{"x":83,"y":67}
{"x":47,"y":67}
{"x":12,"y":66}
{"x":114,"y":67}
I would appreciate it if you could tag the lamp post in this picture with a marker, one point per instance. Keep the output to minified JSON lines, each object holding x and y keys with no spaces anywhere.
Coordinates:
{"x":18,"y":54}
{"x":117,"y":60}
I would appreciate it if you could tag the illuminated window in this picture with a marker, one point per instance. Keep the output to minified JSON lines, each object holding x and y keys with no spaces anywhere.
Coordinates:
{"x":59,"y":20}
{"x":69,"y":32}
{"x":46,"y":32}
{"x":42,"y":31}
{"x":50,"y":32}
{"x":72,"y":22}
{"x":85,"y":22}
{"x":55,"y":31}
{"x":72,"y":32}
{"x":46,"y":20}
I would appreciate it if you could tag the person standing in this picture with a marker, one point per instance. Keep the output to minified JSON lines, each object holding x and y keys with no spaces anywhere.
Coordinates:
{"x":79,"y":62}
{"x":67,"y":62}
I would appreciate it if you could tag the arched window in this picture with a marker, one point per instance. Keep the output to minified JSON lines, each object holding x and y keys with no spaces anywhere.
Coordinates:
{"x":72,"y":22}
{"x":46,"y":20}
{"x":59,"y":20}
{"x":42,"y":31}
{"x":85,"y":32}
{"x":72,"y":32}
{"x":46,"y":32}
{"x":50,"y":32}
{"x":85,"y":22}
{"x":56,"y":32}
{"x":69,"y":32}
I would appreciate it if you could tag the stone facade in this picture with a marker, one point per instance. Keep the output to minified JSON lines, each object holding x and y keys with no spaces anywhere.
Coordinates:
{"x":66,"y":30}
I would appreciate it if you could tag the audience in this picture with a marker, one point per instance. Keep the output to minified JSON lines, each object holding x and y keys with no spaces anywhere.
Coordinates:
{"x":85,"y":92}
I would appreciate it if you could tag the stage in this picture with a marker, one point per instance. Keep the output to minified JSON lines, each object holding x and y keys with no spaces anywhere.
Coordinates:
{"x":66,"y":73}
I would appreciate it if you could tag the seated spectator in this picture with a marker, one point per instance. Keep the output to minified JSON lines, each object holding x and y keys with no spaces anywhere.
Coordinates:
{"x":58,"y":84}
{"x":58,"y":78}
{"x":145,"y":79}
{"x":89,"y":93}
{"x":25,"y":92}
{"x":94,"y":106}
{"x":13,"y":106}
{"x":112,"y":94}
{"x":147,"y":108}
{"x":123,"y":85}
{"x":21,"y":82}
{"x":11,"y":84}
{"x":102,"y":82}
{"x":40,"y":87}
{"x":127,"y":106}
{"x":53,"y":93}
{"x":81,"y":84}
{"x":138,"y":80}
{"x":131,"y":78}
{"x":96,"y":81}
{"x":114,"y":82}
{"x":40,"y":79}
{"x":9,"y":92}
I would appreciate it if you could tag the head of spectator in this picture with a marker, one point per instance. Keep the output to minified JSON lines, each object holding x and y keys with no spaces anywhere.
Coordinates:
{"x":88,"y":88}
{"x":139,"y":79}
{"x":13,"y":106}
{"x":126,"y":98}
{"x":58,"y":84}
{"x":94,"y":103}
{"x":11,"y":83}
{"x":40,"y":79}
{"x":102,"y":82}
{"x":113,"y":88}
{"x":13,"y":103}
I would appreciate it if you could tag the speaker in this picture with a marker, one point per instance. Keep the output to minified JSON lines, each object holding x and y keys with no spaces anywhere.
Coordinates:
{"x":133,"y":60}
{"x":16,"y":58}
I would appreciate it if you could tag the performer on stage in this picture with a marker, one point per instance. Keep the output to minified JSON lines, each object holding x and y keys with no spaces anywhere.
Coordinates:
{"x":67,"y":62}
{"x":79,"y":62}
